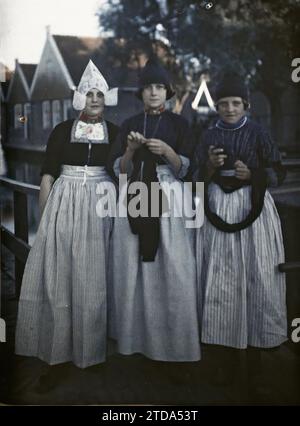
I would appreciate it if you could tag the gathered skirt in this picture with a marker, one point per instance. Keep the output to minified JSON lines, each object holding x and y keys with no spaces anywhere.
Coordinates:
{"x":243,"y":294}
{"x":153,"y":307}
{"x":62,"y":314}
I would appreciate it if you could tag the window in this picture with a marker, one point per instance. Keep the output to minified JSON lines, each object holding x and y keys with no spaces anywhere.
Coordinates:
{"x":67,"y":108}
{"x":27,"y":112}
{"x":56,"y":113}
{"x":18,"y":112}
{"x":46,"y":111}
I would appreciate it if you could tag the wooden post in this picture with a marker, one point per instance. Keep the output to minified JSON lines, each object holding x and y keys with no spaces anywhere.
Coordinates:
{"x":21,"y":231}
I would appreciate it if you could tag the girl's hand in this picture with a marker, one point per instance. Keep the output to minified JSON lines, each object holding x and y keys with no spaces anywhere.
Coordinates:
{"x":158,"y":147}
{"x":135,"y":140}
{"x":241,"y":170}
{"x":216,"y":157}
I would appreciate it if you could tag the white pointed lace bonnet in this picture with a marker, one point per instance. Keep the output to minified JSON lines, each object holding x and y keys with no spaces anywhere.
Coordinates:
{"x":90,"y":79}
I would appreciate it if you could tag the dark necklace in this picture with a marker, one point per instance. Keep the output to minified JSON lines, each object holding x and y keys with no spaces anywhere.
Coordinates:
{"x":156,"y":127}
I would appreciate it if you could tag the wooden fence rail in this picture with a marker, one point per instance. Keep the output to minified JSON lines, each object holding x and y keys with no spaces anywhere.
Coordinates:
{"x":17,"y":243}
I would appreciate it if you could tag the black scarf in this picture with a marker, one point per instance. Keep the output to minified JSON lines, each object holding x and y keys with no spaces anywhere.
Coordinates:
{"x":258,"y":189}
{"x":147,"y":228}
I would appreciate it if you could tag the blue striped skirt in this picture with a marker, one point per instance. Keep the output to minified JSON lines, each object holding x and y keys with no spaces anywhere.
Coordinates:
{"x":63,"y":308}
{"x":243,"y":295}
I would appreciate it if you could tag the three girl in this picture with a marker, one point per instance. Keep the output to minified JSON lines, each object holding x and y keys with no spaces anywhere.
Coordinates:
{"x":164,"y":293}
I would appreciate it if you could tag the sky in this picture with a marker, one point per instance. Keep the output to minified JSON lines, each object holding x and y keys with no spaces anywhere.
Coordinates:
{"x":23,"y":25}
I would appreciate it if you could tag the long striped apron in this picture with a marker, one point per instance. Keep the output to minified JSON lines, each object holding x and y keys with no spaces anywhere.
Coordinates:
{"x":63,"y":308}
{"x":242,"y":291}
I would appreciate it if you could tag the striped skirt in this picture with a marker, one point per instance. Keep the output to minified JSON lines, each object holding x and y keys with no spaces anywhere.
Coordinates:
{"x":62,"y":312}
{"x":243,"y":293}
{"x":153,"y":306}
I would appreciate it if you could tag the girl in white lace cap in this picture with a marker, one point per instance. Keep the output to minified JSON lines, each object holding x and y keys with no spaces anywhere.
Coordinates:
{"x":62,"y":308}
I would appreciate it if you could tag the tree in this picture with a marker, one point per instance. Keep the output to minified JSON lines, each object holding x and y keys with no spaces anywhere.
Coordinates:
{"x":257,"y":38}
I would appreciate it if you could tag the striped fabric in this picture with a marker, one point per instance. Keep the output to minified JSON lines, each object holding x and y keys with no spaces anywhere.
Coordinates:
{"x":153,"y":306}
{"x":63,"y":310}
{"x":242,"y":291}
{"x":242,"y":143}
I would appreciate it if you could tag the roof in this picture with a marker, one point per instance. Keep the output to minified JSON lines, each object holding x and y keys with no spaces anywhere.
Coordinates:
{"x":18,"y":88}
{"x":4,"y":89}
{"x":4,"y":84}
{"x":77,"y":51}
{"x":28,"y":70}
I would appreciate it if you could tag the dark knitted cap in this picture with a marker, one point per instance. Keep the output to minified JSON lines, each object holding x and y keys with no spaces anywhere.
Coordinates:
{"x":154,"y":73}
{"x":231,"y":84}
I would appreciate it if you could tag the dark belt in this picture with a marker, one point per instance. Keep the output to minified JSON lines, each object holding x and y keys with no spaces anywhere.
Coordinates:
{"x":229,"y":183}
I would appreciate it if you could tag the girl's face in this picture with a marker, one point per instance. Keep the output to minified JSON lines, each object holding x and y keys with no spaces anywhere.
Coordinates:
{"x":154,"y":96}
{"x":231,"y":109}
{"x":94,"y":105}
